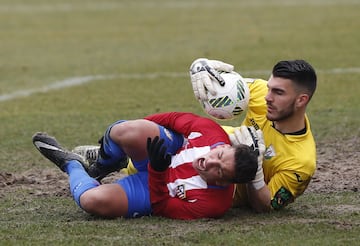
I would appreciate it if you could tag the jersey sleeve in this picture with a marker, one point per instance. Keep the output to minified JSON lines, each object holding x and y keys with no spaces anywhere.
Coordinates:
{"x":257,"y":105}
{"x":285,"y":187}
{"x":295,"y":182}
{"x":211,"y":203}
{"x":180,"y":122}
{"x":186,"y":123}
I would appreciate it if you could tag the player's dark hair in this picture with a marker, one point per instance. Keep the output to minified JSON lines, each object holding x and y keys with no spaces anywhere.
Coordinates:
{"x":298,"y":71}
{"x":245,"y":164}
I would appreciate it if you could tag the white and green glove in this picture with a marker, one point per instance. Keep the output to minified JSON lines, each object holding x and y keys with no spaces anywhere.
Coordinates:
{"x":203,"y":73}
{"x":253,"y":138}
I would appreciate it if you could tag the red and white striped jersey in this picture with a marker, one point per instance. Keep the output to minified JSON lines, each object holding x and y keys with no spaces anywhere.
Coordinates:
{"x":180,"y":192}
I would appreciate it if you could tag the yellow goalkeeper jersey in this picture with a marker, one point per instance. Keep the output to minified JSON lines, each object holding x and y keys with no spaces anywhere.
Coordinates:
{"x":289,"y":159}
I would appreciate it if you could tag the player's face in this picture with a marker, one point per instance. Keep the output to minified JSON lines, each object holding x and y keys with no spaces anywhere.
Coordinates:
{"x":217,"y":166}
{"x":280,"y":99}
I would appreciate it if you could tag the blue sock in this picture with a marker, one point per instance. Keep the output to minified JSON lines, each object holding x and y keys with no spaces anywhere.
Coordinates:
{"x":79,"y":180}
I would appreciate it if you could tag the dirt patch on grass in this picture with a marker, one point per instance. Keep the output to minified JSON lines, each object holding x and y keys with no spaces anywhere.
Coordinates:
{"x":35,"y":182}
{"x":337,"y":170}
{"x":338,"y":167}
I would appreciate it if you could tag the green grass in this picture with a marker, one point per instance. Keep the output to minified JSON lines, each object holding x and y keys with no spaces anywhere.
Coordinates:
{"x":43,"y":42}
{"x":57,"y":221}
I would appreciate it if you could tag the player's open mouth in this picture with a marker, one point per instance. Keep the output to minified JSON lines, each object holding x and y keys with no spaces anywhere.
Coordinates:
{"x":201,"y":164}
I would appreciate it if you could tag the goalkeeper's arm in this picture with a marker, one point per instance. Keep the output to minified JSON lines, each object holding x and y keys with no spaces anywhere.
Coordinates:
{"x":258,"y":192}
{"x":203,"y":73}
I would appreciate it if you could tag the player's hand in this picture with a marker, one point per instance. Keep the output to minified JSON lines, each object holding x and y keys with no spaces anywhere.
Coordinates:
{"x":245,"y":135}
{"x":204,"y":72}
{"x":254,"y":139}
{"x":258,"y":182}
{"x":158,"y":156}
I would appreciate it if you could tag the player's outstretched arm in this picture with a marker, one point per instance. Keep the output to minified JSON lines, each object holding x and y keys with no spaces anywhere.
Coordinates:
{"x":260,"y":200}
{"x":258,"y":192}
{"x":204,"y":72}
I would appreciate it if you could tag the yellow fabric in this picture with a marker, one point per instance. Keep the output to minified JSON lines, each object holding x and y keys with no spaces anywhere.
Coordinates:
{"x":240,"y":196}
{"x":130,"y":169}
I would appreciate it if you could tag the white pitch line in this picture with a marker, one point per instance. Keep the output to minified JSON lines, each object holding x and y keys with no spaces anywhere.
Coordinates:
{"x":83,"y":80}
{"x":54,"y":86}
{"x":90,"y":78}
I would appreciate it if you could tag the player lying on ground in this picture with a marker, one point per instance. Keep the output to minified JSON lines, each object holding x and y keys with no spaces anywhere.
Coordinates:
{"x":186,"y":168}
{"x":277,"y":107}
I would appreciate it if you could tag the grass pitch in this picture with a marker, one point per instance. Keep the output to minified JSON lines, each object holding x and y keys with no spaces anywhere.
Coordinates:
{"x":136,"y":55}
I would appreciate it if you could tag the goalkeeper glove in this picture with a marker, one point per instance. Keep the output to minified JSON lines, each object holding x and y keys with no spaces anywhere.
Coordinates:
{"x":158,"y":156}
{"x":204,"y":72}
{"x":254,"y":139}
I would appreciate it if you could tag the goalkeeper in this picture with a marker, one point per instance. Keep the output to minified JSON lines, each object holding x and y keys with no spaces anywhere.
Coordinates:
{"x":277,"y":107}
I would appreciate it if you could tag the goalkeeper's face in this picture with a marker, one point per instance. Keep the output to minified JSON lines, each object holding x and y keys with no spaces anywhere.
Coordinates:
{"x":281,"y":99}
{"x":217,"y":167}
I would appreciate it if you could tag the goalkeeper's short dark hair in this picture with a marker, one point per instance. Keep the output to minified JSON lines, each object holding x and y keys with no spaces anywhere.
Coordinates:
{"x":298,"y":71}
{"x":246,"y":164}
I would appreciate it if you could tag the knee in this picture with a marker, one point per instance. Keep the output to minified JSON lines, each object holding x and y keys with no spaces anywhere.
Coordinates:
{"x":124,"y":131}
{"x":95,"y":203}
{"x":107,"y":201}
{"x":89,"y":202}
{"x":132,"y":131}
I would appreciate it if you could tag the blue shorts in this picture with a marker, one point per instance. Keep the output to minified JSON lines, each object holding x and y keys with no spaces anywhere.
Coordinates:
{"x":136,"y":185}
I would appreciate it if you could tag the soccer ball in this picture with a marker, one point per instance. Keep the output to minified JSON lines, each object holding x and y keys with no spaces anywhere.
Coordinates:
{"x":230,"y":100}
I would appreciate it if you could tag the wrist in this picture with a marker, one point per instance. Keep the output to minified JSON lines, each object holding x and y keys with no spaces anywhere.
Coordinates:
{"x":258,"y":182}
{"x":158,"y":168}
